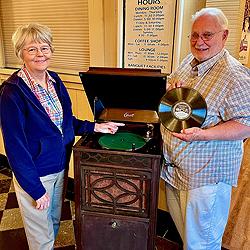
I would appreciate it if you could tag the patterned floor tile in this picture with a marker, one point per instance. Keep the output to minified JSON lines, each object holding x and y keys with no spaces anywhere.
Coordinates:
{"x":11,"y":219}
{"x":12,"y":235}
{"x":5,"y":173}
{"x":1,"y":215}
{"x":13,"y":239}
{"x":72,"y":207}
{"x":3,"y":201}
{"x":66,"y":235}
{"x":4,"y":177}
{"x":66,"y":211}
{"x":5,"y":185}
{"x":12,"y":189}
{"x":73,"y":247}
{"x":11,"y":201}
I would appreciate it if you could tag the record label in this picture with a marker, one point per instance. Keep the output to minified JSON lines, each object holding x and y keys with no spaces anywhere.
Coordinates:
{"x":182,"y":108}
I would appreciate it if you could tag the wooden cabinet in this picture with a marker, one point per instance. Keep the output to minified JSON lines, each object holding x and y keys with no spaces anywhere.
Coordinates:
{"x":106,"y":232}
{"x":116,"y":196}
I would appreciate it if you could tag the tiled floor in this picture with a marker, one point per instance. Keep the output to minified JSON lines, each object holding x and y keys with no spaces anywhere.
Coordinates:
{"x":12,"y":235}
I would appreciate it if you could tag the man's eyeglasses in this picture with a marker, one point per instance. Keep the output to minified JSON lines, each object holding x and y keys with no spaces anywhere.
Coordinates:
{"x":206,"y":36}
{"x":34,"y":50}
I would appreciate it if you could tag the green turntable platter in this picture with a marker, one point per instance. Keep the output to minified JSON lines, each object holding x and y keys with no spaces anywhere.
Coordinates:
{"x":126,"y":141}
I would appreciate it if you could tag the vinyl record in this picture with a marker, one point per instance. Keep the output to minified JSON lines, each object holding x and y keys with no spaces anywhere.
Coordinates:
{"x":122,"y":141}
{"x":182,"y":108}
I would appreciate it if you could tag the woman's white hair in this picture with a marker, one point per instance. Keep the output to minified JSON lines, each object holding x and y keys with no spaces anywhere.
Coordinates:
{"x":222,"y":19}
{"x":32,"y":32}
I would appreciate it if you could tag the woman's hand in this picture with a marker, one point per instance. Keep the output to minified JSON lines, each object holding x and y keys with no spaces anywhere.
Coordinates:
{"x":107,"y":127}
{"x":43,"y":202}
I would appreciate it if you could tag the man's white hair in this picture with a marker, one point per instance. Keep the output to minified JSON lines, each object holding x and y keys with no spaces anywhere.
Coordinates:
{"x":222,"y":19}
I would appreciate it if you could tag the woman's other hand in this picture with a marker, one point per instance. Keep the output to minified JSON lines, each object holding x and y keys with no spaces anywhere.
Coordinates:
{"x":43,"y":202}
{"x":108,"y":127}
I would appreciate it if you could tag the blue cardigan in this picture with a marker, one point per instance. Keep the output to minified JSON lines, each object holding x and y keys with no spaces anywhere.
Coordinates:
{"x":34,"y":145}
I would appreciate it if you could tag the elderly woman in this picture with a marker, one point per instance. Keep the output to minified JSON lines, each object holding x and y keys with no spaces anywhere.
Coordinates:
{"x":39,"y":130}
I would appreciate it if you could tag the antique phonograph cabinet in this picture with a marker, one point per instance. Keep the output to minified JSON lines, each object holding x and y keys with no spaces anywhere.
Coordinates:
{"x":117,"y":176}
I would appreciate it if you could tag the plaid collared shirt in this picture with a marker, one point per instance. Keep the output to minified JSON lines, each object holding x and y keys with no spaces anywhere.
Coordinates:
{"x":225,"y":85}
{"x":48,"y":99}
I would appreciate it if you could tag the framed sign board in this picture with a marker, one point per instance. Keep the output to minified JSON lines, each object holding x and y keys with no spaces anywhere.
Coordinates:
{"x":149,"y":34}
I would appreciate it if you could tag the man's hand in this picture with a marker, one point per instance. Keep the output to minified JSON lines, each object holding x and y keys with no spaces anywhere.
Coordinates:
{"x":230,"y":130}
{"x":43,"y":202}
{"x":190,"y":134}
{"x":175,"y":83}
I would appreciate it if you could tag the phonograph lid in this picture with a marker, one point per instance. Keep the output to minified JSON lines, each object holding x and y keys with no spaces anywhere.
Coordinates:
{"x":122,"y":94}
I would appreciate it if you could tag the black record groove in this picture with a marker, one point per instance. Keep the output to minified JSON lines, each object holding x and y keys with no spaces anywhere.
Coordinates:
{"x":182,"y":108}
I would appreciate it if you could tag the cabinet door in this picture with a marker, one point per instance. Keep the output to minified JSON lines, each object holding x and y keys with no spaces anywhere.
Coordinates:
{"x":107,"y":233}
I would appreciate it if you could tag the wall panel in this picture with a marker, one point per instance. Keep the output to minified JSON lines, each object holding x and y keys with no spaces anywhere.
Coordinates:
{"x":234,"y":12}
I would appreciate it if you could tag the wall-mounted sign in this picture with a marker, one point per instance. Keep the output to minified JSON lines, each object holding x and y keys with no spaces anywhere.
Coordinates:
{"x":149,"y":34}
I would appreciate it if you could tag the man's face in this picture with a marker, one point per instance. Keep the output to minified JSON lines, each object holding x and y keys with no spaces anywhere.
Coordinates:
{"x":214,"y":38}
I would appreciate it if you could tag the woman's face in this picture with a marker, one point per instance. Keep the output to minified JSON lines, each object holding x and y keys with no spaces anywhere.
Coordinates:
{"x":36,"y":56}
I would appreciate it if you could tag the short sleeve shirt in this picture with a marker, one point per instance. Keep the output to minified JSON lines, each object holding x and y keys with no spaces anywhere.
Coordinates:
{"x":225,"y":85}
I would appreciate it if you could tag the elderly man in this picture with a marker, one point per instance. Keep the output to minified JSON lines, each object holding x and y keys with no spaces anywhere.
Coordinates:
{"x":202,"y":164}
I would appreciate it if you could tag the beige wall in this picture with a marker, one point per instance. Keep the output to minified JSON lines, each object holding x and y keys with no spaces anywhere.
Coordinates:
{"x":103,"y":32}
{"x":234,"y":12}
{"x":190,"y":7}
